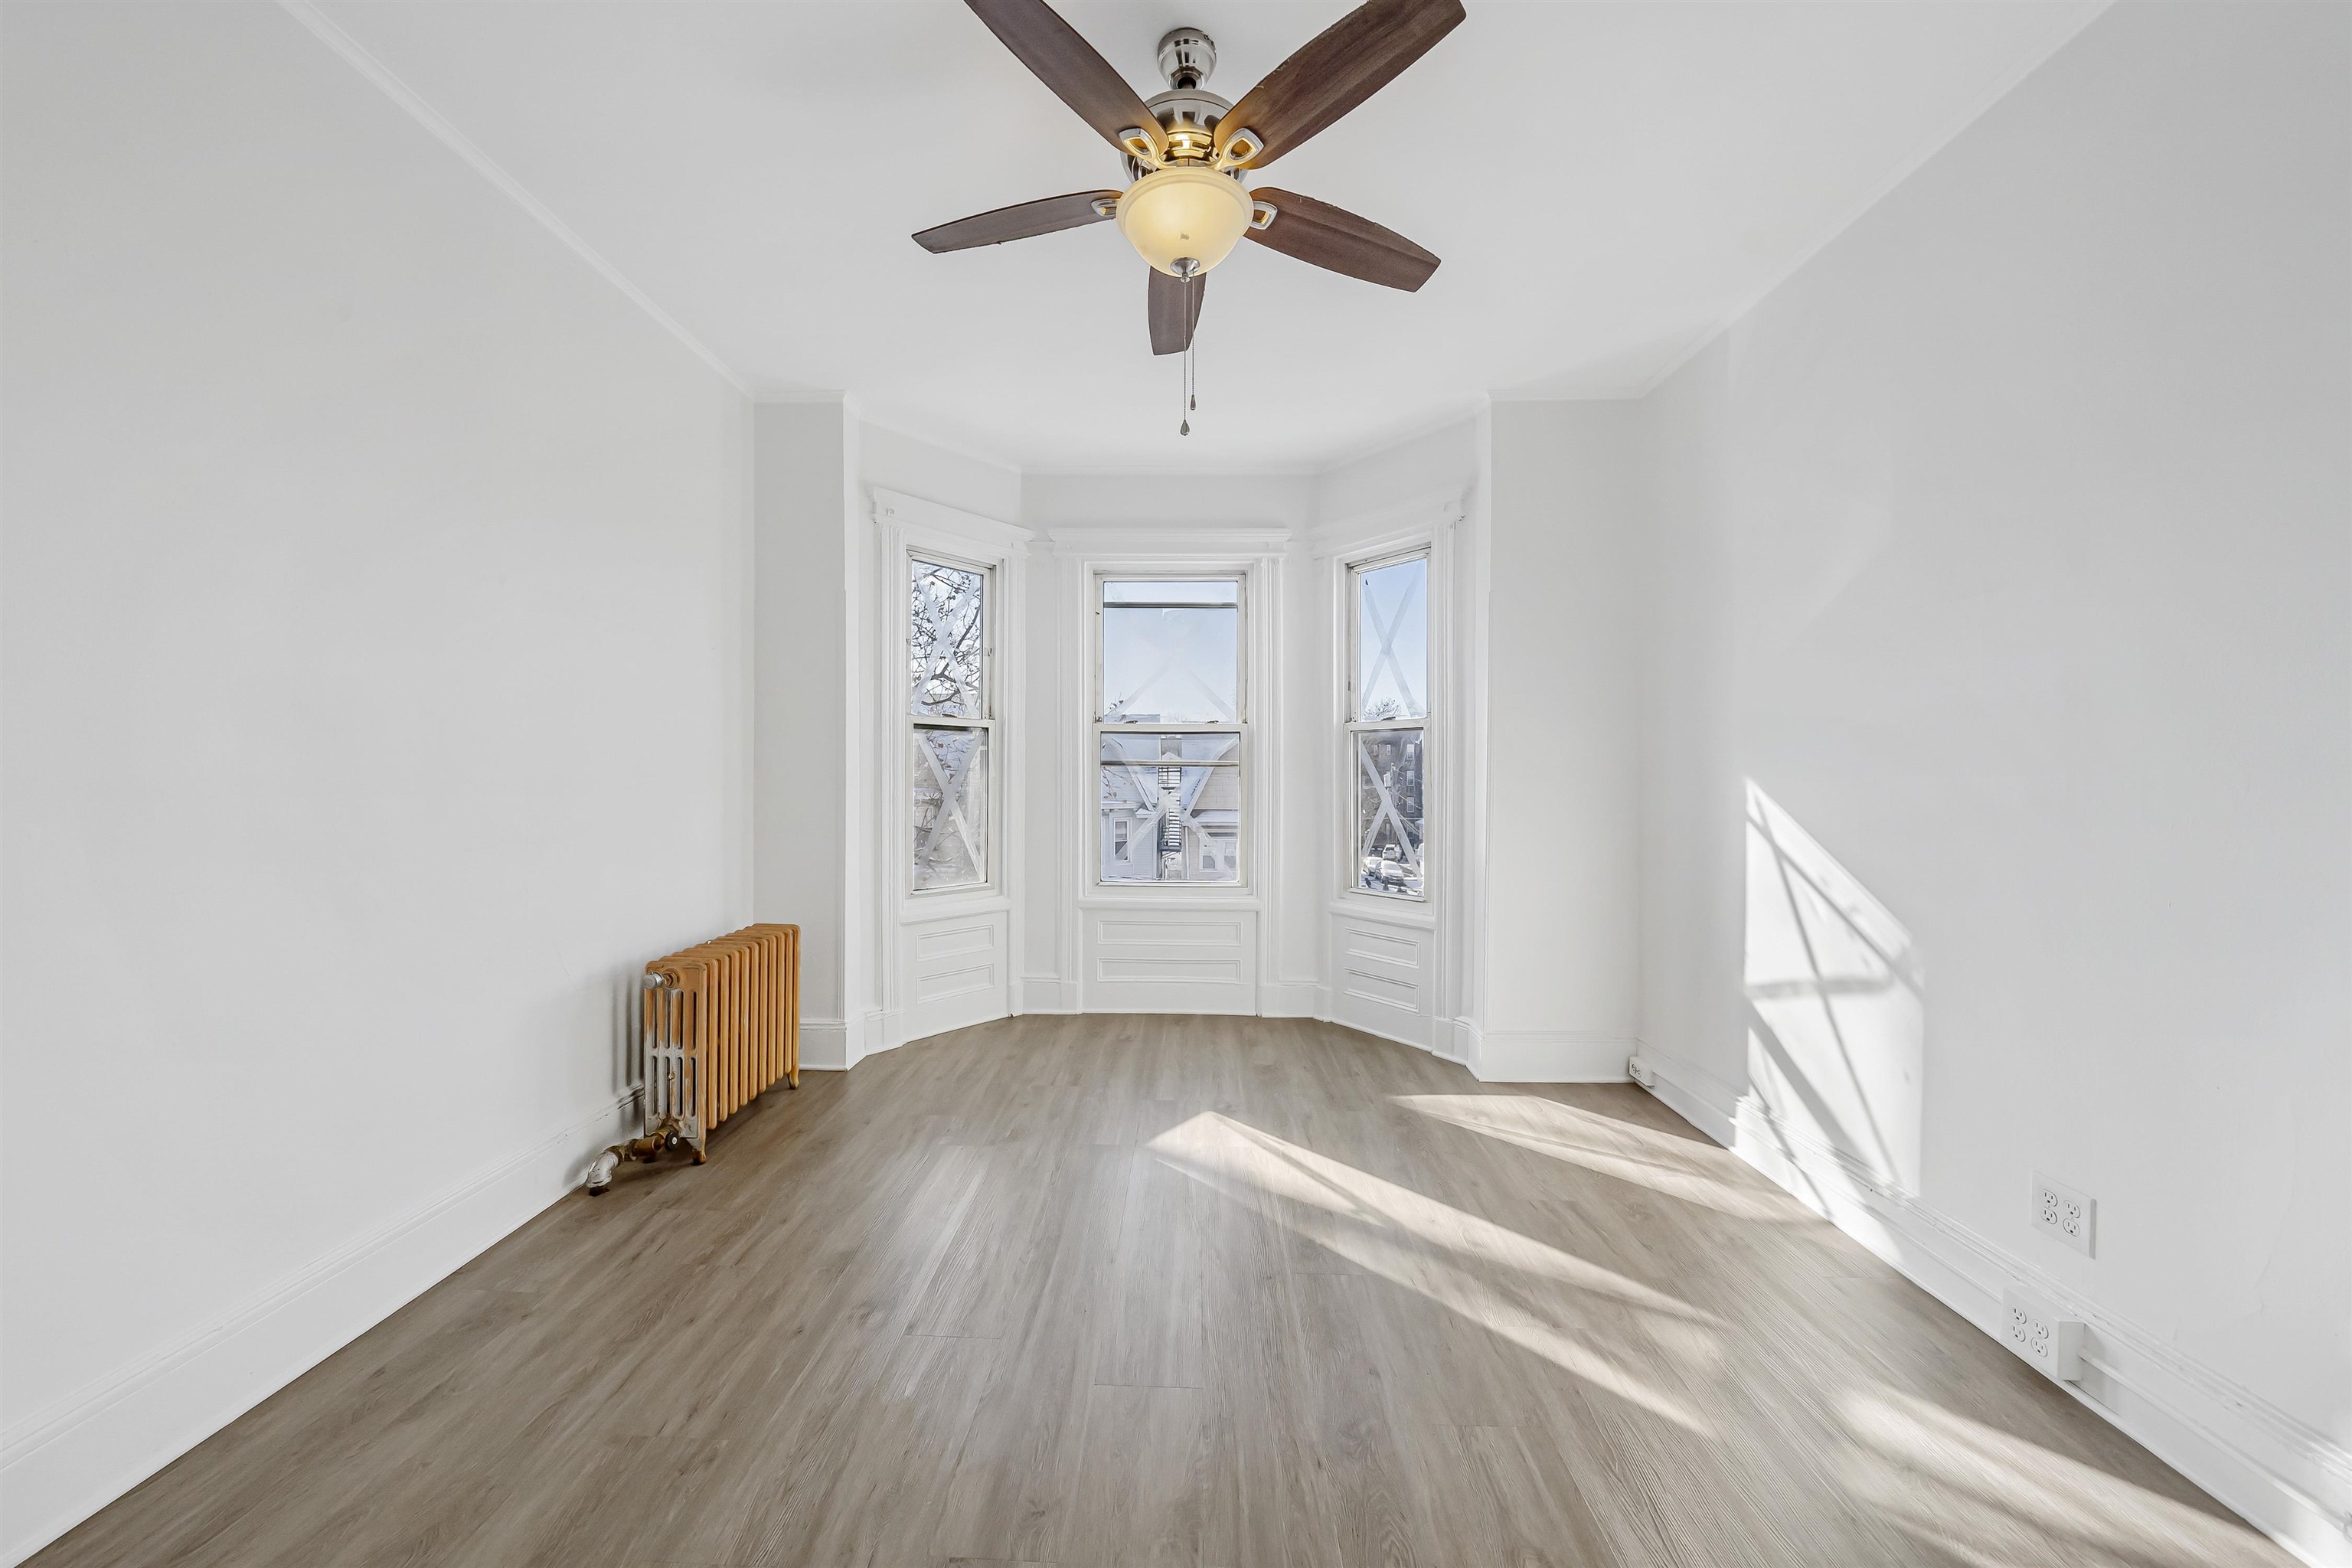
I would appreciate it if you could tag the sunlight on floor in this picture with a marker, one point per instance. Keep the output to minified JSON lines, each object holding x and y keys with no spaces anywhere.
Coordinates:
{"x":1599,"y":1328}
{"x":1666,"y":1165}
{"x":2000,"y":1501}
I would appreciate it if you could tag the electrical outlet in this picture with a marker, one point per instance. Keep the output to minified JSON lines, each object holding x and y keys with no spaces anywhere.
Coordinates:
{"x":2063,"y":1214}
{"x":2032,"y":1328}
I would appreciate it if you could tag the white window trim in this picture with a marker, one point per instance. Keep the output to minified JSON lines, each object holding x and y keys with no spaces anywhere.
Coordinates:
{"x":912,"y":528}
{"x":1176,"y":551}
{"x":1452,"y":523}
{"x":1351,"y":569}
{"x":1097,"y":573}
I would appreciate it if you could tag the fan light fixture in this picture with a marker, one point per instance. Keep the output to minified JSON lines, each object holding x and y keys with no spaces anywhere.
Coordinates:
{"x":1184,"y":220}
{"x":1185,"y":151}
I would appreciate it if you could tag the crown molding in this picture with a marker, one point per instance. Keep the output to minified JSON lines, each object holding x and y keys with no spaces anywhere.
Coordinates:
{"x":356,"y":55}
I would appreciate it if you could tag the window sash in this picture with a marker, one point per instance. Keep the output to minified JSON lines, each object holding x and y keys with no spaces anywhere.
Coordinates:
{"x":1357,"y":572}
{"x":984,"y":676}
{"x":1384,"y":813}
{"x":1239,"y":604}
{"x":983,"y":725}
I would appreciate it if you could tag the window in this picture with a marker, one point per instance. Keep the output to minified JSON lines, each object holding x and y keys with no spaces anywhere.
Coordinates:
{"x":951,"y":721}
{"x":1388,"y":712}
{"x":1168,"y":726}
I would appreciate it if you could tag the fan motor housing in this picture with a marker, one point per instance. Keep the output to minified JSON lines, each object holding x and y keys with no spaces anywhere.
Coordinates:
{"x":1188,"y":115}
{"x":1186,"y":111}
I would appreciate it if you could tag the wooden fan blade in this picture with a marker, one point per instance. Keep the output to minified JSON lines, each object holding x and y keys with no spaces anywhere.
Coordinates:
{"x":1175,"y":309}
{"x":1073,"y":211}
{"x":1324,"y":236}
{"x":1059,"y":57}
{"x":1338,"y":69}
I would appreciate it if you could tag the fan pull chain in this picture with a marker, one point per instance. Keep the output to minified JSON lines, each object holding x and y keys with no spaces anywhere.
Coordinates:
{"x":1184,"y":390}
{"x":1192,"y":381}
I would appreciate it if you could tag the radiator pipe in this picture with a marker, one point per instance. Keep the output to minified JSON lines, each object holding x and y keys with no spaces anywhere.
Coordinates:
{"x":648,"y":1149}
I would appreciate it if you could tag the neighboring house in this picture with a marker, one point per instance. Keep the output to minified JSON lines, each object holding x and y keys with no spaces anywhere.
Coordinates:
{"x":1171,"y":822}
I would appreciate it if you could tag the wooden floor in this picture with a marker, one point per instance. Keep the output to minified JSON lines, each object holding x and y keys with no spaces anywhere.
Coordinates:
{"x":1173,"y":1290}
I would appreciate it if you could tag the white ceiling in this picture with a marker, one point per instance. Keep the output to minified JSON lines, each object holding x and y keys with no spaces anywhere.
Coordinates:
{"x":1607,"y":181}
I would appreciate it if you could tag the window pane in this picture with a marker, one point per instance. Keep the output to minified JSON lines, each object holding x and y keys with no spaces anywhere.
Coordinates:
{"x":1392,"y":641}
{"x":1171,"y":808}
{"x":1388,"y":824}
{"x":949,"y":799}
{"x":1171,"y":666}
{"x":946,"y":642}
{"x":1169,"y":591}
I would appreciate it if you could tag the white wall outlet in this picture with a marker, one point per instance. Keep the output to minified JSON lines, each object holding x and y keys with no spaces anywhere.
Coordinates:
{"x":2065,"y":1214}
{"x":2032,"y":1328}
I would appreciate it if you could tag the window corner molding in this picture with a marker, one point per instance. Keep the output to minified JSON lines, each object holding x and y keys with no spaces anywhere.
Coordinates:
{"x":890,"y":508}
{"x":1421,"y":518}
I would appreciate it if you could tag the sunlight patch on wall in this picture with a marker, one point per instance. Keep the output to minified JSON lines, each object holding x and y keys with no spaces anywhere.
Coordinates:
{"x":1836,"y":1001}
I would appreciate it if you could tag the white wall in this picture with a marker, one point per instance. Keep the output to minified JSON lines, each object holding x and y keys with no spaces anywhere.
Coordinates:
{"x":1401,"y":473}
{"x":1562,"y":873}
{"x":802,"y":697}
{"x":1176,"y":501}
{"x":915,"y":467}
{"x":357,"y":537}
{"x":2006,"y":549}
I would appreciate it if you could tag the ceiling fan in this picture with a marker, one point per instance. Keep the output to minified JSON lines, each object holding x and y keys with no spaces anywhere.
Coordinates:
{"x":1186,"y":205}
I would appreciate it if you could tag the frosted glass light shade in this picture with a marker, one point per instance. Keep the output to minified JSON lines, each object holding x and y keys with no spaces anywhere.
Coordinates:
{"x":1174,"y":213}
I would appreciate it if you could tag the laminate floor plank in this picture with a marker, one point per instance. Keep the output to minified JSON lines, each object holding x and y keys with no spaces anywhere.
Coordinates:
{"x":1086,"y":1291}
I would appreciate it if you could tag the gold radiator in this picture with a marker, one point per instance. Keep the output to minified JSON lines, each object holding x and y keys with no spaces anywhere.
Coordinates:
{"x":721,"y":1023}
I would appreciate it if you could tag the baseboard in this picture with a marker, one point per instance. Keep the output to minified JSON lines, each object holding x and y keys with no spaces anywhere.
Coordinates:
{"x":1547,"y":1055}
{"x":63,"y":1464}
{"x":1044,"y":994}
{"x":2282,"y":1476}
{"x":1288,"y":999}
{"x":1691,"y":1094}
{"x":1457,"y":1041}
{"x":824,"y":1045}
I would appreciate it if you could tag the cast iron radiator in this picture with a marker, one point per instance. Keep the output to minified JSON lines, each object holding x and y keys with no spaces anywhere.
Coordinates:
{"x":721,"y":1023}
